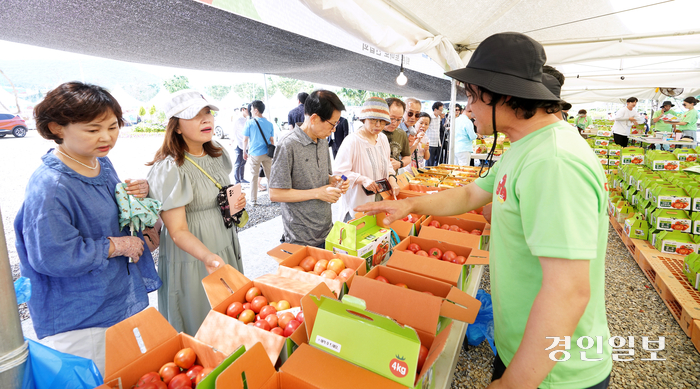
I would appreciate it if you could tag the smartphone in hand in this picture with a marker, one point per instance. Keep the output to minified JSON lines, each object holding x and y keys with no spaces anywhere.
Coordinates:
{"x":233,"y":194}
{"x":383,"y":185}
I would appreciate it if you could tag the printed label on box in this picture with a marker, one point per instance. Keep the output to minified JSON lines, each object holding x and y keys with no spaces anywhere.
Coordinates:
{"x":673,"y":202}
{"x":632,"y":159}
{"x":680,"y":248}
{"x":673,"y":224}
{"x":321,"y":341}
{"x":666,"y":165}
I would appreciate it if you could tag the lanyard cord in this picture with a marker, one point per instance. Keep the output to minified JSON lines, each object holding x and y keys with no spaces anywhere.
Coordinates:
{"x":205,"y":173}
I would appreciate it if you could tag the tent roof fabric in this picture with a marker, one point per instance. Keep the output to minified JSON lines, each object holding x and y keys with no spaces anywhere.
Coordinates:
{"x":194,"y":35}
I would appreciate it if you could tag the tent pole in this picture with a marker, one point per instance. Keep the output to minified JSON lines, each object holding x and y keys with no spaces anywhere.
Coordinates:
{"x":266,"y":99}
{"x":453,"y":101}
{"x":11,"y":354}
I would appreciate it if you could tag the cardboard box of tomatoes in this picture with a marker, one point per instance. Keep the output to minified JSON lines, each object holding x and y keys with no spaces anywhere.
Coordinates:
{"x":676,"y":242}
{"x":373,"y":341}
{"x":146,"y":348}
{"x":463,"y":232}
{"x":424,"y":304}
{"x":413,"y":255}
{"x":361,"y":237}
{"x":313,"y":265}
{"x":307,"y":368}
{"x":231,"y":323}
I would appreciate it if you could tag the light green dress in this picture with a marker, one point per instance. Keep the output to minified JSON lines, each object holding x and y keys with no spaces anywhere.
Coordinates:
{"x":181,"y":299}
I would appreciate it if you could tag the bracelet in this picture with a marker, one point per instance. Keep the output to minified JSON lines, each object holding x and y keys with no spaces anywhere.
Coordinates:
{"x":401,"y":162}
{"x":394,"y":175}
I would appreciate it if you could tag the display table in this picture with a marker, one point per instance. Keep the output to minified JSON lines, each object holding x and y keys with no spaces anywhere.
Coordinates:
{"x":443,"y":373}
{"x":658,"y":141}
{"x":483,"y":156}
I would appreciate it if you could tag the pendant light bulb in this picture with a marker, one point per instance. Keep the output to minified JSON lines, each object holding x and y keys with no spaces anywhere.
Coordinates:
{"x":401,"y":79}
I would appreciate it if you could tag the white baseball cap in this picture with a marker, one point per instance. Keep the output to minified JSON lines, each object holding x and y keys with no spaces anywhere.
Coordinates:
{"x":186,"y":104}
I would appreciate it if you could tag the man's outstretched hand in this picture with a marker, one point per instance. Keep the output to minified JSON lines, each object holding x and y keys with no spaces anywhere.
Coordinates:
{"x":394,"y":210}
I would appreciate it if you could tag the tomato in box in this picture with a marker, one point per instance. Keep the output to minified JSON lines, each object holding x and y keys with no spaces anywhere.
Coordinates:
{"x":456,"y":237}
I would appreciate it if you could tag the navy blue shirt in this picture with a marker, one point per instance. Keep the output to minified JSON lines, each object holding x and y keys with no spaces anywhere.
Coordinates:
{"x":61,"y":231}
{"x":296,"y":115}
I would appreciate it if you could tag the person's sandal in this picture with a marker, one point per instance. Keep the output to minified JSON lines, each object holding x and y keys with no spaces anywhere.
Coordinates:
{"x":263,"y":188}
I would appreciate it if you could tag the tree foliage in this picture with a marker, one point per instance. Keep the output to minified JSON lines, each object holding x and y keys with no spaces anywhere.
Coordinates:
{"x":218,"y":92}
{"x":250,"y":91}
{"x":289,"y":87}
{"x":142,"y":92}
{"x":142,"y":111}
{"x":176,"y":83}
{"x":357,"y":97}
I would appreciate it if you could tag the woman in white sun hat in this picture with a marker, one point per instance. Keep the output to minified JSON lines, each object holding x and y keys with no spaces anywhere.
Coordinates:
{"x":186,"y":176}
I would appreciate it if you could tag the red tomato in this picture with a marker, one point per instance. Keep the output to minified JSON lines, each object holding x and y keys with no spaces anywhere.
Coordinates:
{"x":346,"y":274}
{"x":435,"y":224}
{"x":422,"y":356}
{"x":234,"y":309}
{"x":258,"y":303}
{"x":247,"y":316}
{"x":252,"y":293}
{"x":193,"y":372}
{"x":266,"y":311}
{"x":203,"y":374}
{"x":284,"y":319}
{"x":321,"y":266}
{"x":272,"y":320}
{"x":476,"y":232}
{"x":154,"y":385}
{"x":263,"y":325}
{"x":448,"y":255}
{"x":382,"y":279}
{"x":168,"y":371}
{"x":435,"y":252}
{"x":185,"y":358}
{"x":460,"y":260}
{"x":148,"y":378}
{"x":414,"y":247}
{"x":291,"y":327}
{"x":402,"y":285}
{"x":405,"y":219}
{"x":180,"y":381}
{"x":422,"y":253}
{"x":300,"y":317}
{"x":472,"y":211}
{"x":277,"y":331}
{"x":455,"y":228}
{"x":246,"y":306}
{"x":330,"y":274}
{"x":446,"y":226}
{"x":336,"y":265}
{"x":308,"y":263}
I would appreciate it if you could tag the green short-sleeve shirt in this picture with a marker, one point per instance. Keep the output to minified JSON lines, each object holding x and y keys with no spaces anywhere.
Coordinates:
{"x":691,"y":117}
{"x":549,"y":200}
{"x":660,"y":125}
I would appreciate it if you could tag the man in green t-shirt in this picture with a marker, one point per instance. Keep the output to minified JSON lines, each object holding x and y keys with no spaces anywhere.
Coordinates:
{"x":549,"y":224}
{"x":665,"y":110}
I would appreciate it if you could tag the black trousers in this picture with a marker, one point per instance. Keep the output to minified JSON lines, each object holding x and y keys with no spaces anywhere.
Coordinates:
{"x":499,"y":368}
{"x":621,"y":139}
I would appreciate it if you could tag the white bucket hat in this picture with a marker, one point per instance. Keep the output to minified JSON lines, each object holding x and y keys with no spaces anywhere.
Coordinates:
{"x":186,"y":104}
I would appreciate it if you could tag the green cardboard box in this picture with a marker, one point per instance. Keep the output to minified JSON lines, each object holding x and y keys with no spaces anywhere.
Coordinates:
{"x":676,"y":242}
{"x":671,"y":220}
{"x":602,"y":142}
{"x":377,"y":343}
{"x":691,"y":269}
{"x":624,"y":210}
{"x":686,"y":155}
{"x":613,"y":160}
{"x":614,"y":149}
{"x":601,"y":152}
{"x":636,"y":227}
{"x":662,"y":161}
{"x":670,"y":197}
{"x":632,"y":156}
{"x":695,"y":199}
{"x":362,"y":238}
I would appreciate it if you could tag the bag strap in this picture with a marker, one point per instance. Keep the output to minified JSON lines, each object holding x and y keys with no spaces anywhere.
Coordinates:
{"x":205,"y":173}
{"x":261,"y":132}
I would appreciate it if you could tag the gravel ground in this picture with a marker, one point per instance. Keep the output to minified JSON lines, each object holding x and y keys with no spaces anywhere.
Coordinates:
{"x":634,"y":309}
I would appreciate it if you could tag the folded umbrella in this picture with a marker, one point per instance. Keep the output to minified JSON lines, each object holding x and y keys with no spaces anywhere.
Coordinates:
{"x":135,"y":212}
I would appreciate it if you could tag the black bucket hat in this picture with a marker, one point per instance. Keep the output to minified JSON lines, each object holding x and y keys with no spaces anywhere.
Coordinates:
{"x":508,"y":63}
{"x":667,"y":103}
{"x":553,"y":85}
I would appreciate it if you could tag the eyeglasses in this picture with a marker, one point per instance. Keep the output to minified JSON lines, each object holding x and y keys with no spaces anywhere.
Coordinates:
{"x":377,"y":122}
{"x":410,"y":114}
{"x":333,"y":124}
{"x":396,"y":120}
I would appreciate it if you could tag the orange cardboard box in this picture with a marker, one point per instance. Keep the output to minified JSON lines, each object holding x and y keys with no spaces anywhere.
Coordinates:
{"x":412,"y":306}
{"x":299,"y":372}
{"x":226,"y":285}
{"x":337,"y":286}
{"x":144,"y":343}
{"x":402,"y":228}
{"x":410,"y":190}
{"x":283,"y":251}
{"x":460,"y":238}
{"x":451,"y":273}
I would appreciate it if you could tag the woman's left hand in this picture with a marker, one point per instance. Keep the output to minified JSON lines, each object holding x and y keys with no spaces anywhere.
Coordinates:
{"x":137,"y":188}
{"x":241,"y":202}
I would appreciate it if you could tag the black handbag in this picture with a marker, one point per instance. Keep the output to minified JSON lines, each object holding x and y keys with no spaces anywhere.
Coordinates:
{"x":270,"y":148}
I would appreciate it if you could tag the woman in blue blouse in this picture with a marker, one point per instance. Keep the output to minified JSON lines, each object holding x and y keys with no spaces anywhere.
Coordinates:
{"x":67,"y":230}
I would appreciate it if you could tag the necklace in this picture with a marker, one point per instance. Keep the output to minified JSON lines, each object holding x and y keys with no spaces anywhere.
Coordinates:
{"x":75,"y":160}
{"x":200,"y":155}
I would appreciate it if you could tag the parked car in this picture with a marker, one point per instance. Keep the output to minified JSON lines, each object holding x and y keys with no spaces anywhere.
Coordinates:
{"x":12,"y":124}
